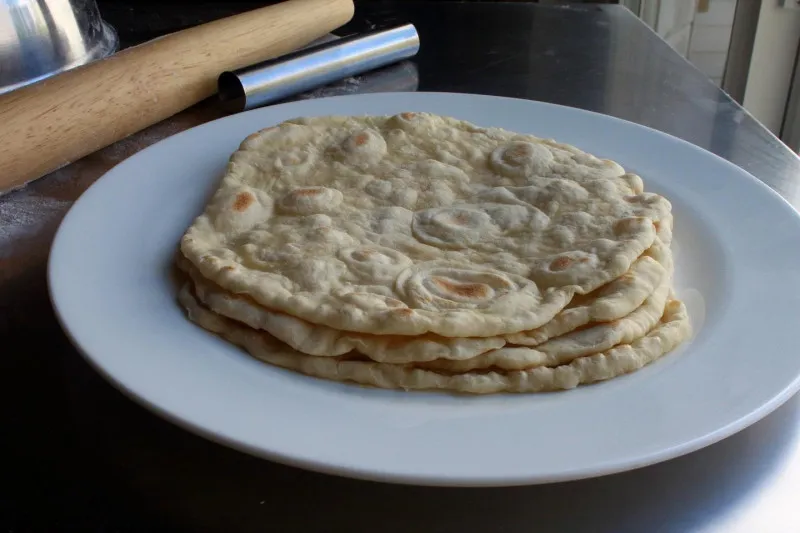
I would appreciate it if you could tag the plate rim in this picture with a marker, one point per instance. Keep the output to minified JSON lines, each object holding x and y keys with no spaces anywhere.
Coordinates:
{"x":369,"y":474}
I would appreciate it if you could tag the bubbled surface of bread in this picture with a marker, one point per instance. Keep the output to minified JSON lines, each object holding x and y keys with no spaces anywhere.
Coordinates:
{"x":417,"y":223}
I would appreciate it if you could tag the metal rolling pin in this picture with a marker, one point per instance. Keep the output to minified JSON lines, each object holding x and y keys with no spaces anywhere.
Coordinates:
{"x":312,"y":67}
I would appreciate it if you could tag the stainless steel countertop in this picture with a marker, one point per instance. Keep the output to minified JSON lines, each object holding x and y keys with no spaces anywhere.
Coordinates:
{"x":83,"y":455}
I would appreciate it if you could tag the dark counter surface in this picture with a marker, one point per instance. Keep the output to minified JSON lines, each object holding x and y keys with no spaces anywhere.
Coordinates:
{"x":79,"y":456}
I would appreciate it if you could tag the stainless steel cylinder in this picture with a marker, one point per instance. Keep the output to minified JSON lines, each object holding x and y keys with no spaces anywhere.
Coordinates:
{"x":39,"y":38}
{"x":315,"y":66}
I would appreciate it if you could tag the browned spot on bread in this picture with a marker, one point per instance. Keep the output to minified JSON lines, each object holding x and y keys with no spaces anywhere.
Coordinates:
{"x":403,"y":311}
{"x":467,"y":290}
{"x":251,"y":137}
{"x":408,"y":115}
{"x":519,"y":150}
{"x":311,"y":191}
{"x":257,"y":135}
{"x":364,"y":255}
{"x":657,"y":225}
{"x":560,"y":263}
{"x":227,"y":268}
{"x":461,"y":218}
{"x":360,"y":139}
{"x":391,"y":302}
{"x":243,"y":201}
{"x":627,"y":225}
{"x":583,"y":260}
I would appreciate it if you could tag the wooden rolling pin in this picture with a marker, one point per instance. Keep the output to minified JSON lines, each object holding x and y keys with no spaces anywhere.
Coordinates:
{"x":51,"y":123}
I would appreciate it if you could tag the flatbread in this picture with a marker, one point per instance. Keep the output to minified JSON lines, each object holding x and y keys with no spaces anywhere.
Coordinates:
{"x":561,"y":350}
{"x":610,"y":302}
{"x":323,"y":341}
{"x":673,"y":328}
{"x":617,"y":299}
{"x":417,"y":223}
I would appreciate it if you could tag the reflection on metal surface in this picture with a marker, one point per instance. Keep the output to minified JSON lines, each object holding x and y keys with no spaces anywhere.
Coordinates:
{"x":312,"y":67}
{"x":39,"y":38}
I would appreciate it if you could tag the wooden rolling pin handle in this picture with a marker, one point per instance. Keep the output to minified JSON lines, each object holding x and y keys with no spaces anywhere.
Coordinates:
{"x":51,"y":123}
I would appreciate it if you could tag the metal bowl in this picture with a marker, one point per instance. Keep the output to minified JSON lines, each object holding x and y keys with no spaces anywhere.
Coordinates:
{"x":39,"y":38}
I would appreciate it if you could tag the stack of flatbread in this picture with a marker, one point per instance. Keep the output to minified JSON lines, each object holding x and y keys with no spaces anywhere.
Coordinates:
{"x":418,"y":251}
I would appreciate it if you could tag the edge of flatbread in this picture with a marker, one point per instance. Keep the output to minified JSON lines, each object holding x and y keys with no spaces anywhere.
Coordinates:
{"x":673,"y":329}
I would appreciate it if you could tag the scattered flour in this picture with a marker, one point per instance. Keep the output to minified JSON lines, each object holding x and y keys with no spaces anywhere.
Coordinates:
{"x":399,"y":77}
{"x":24,"y":214}
{"x":346,"y":86}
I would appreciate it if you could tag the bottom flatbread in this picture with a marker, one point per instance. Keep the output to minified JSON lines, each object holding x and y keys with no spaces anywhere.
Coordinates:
{"x":673,"y":329}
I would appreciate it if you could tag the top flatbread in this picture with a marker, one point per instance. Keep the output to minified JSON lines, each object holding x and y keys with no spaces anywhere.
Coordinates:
{"x":615,"y":300}
{"x":418,"y":223}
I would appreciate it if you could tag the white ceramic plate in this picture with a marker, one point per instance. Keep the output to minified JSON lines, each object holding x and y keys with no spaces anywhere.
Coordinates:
{"x":737,"y":248}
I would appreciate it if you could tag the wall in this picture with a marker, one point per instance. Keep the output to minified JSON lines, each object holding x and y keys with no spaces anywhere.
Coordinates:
{"x":711,"y":35}
{"x":772,"y":63}
{"x":699,"y":30}
{"x":675,"y":23}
